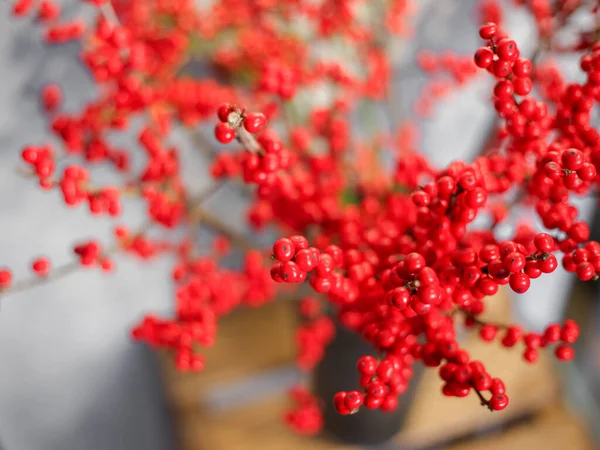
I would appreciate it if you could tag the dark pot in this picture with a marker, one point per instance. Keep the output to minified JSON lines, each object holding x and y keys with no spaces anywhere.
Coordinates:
{"x":337,"y":372}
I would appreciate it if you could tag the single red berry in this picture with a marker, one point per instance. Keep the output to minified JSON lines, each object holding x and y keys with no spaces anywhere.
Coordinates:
{"x":306,"y":260}
{"x":543,"y":242}
{"x":284,"y":249}
{"x":414,"y":262}
{"x":572,"y":159}
{"x":373,"y":402}
{"x":291,"y":273}
{"x":376,"y":389}
{"x":585,"y":271}
{"x":587,"y":172}
{"x":389,"y":403}
{"x":502,"y":68}
{"x":507,"y":50}
{"x":224,"y":133}
{"x":564,"y":353}
{"x":530,"y":355}
{"x":497,"y":387}
{"x":523,"y":86}
{"x":320,"y":284}
{"x":223,"y":111}
{"x":384,"y":371}
{"x":488,"y":30}
{"x":483,"y":57}
{"x":514,"y":262}
{"x":504,"y":89}
{"x":499,"y":402}
{"x":41,"y":266}
{"x":353,"y":400}
{"x":519,"y":282}
{"x":488,"y":332}
{"x":5,"y":278}
{"x":522,"y":68}
{"x":254,"y":122}
{"x":367,"y":365}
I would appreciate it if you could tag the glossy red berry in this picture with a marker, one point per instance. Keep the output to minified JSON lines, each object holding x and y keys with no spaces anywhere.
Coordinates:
{"x":367,"y":365}
{"x":488,"y":31}
{"x":283,"y":249}
{"x":499,"y":402}
{"x":484,"y":57}
{"x":522,"y":68}
{"x":523,"y":86}
{"x":519,"y":282}
{"x":565,"y":353}
{"x":254,"y":122}
{"x":224,"y":133}
{"x":507,"y":50}
{"x":223,"y":111}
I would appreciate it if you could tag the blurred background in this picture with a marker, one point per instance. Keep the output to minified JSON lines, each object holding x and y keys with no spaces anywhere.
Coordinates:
{"x":70,"y":377}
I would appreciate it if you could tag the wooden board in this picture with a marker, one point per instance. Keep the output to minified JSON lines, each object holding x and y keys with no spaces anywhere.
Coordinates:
{"x":261,"y":429}
{"x":552,"y":429}
{"x":248,"y":342}
{"x":433,"y":418}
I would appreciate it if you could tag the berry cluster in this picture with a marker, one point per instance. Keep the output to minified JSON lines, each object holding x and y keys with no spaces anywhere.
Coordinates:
{"x":231,"y":118}
{"x":398,"y":251}
{"x":306,"y":417}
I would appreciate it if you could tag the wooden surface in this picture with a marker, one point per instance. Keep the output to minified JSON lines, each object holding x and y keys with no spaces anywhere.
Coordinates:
{"x":553,"y":429}
{"x":433,"y":418}
{"x":248,"y":342}
{"x":259,"y":428}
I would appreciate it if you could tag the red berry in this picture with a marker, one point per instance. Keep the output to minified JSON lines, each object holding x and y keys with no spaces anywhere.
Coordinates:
{"x":564,"y":353}
{"x":41,"y":266}
{"x":497,"y":387}
{"x":531,"y":355}
{"x":283,"y":249}
{"x":504,"y":89}
{"x":484,"y":57}
{"x":488,"y":332}
{"x":223,"y":111}
{"x":587,"y":172}
{"x":519,"y":282}
{"x":224,"y":133}
{"x":488,"y":30}
{"x":543,"y":242}
{"x":499,"y":402}
{"x":572,"y":159}
{"x":501,"y":68}
{"x":367,"y":365}
{"x":5,"y":278}
{"x":507,"y":50}
{"x":522,"y":68}
{"x":389,"y":403}
{"x":523,"y":86}
{"x":353,"y":400}
{"x":254,"y":122}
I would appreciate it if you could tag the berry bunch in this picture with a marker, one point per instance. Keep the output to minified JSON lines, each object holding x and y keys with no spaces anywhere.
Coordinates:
{"x":397,"y":250}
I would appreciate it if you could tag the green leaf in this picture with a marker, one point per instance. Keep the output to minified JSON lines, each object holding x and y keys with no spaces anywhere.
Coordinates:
{"x":349,"y":196}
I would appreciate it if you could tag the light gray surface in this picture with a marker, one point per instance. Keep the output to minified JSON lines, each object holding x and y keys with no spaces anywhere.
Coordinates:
{"x":70,"y":379}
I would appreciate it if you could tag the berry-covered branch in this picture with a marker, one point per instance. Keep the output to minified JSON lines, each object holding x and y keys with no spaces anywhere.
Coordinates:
{"x":396,"y":250}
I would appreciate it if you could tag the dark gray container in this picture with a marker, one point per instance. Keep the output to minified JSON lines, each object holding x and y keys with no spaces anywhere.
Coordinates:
{"x":336,"y":372}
